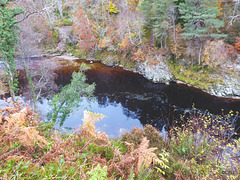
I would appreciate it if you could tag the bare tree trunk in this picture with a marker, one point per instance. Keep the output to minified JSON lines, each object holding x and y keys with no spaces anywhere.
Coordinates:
{"x":31,"y":85}
{"x":174,"y":37}
{"x":165,"y":42}
{"x":235,"y":14}
{"x":90,"y":27}
{"x":10,"y":80}
{"x":199,"y":56}
{"x":129,"y":31}
{"x":60,"y":8}
{"x":139,"y":34}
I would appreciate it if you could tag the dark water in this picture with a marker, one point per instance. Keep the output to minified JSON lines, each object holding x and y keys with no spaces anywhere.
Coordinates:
{"x":143,"y":100}
{"x":128,"y":99}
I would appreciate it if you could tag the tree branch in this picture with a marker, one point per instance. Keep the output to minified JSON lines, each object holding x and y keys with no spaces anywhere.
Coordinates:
{"x":29,"y":14}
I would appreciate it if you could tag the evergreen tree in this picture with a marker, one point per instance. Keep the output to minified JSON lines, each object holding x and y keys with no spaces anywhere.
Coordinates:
{"x":200,"y":20}
{"x":146,"y":8}
{"x":8,"y":39}
{"x":159,"y":15}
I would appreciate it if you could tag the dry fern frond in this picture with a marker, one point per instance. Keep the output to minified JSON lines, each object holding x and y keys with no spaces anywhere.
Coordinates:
{"x":31,"y":136}
{"x":17,"y":119}
{"x":13,"y":128}
{"x":8,"y":109}
{"x":146,"y":156}
{"x":126,"y":161}
{"x":7,"y":154}
{"x":142,"y":156}
{"x":16,"y":158}
{"x":1,"y":116}
{"x":89,"y":120}
{"x":102,"y":137}
{"x":61,"y":147}
{"x":130,"y":146}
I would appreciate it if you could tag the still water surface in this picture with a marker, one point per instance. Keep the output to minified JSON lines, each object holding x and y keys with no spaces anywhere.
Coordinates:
{"x":128,"y":99}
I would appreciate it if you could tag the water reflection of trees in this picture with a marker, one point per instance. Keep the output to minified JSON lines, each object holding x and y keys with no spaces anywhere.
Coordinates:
{"x":43,"y":79}
{"x":151,"y":103}
{"x":149,"y":110}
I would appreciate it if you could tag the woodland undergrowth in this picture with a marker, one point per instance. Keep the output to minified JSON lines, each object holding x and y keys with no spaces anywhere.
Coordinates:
{"x":202,"y":148}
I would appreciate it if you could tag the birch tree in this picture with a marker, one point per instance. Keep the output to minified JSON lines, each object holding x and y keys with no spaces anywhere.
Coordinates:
{"x":235,"y":13}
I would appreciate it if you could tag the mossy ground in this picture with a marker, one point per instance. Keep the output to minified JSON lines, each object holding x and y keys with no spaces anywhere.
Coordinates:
{"x":202,"y":77}
{"x":115,"y":58}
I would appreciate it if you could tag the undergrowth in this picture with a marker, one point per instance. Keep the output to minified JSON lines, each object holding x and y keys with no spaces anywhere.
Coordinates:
{"x":201,"y":148}
{"x":115,"y":58}
{"x":199,"y":76}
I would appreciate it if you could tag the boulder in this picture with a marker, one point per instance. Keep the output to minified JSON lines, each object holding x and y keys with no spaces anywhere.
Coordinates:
{"x":157,"y":73}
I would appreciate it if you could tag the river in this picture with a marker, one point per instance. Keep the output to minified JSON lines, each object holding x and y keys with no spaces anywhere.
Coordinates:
{"x":128,"y":99}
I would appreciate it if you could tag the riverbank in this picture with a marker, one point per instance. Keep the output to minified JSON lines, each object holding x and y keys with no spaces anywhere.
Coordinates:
{"x":217,"y":83}
{"x":224,"y":85}
{"x":220,"y":78}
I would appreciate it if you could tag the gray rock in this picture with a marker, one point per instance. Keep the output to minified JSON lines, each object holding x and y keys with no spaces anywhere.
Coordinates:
{"x":157,"y":73}
{"x":229,"y":88}
{"x":160,"y":73}
{"x":64,"y":35}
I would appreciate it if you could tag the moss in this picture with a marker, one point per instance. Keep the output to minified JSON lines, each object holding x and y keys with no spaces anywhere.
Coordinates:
{"x":128,"y":64}
{"x":98,"y":55}
{"x":67,"y":22}
{"x":74,"y":50}
{"x":108,"y":57}
{"x":64,"y":22}
{"x":79,"y":53}
{"x":55,"y":36}
{"x":115,"y":58}
{"x":197,"y":75}
{"x":148,"y":33}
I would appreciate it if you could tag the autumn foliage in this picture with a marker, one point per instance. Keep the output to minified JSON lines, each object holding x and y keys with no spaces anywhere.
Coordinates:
{"x":82,"y":29}
{"x":34,"y":150}
{"x":237,"y":44}
{"x":21,"y":138}
{"x":133,"y":4}
{"x":18,"y":126}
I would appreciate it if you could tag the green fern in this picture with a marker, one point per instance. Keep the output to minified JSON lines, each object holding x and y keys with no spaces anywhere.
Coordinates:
{"x":98,"y":173}
{"x":163,"y":166}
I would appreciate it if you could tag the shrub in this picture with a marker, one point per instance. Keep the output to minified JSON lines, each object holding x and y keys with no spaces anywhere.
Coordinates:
{"x":200,"y":144}
{"x":112,"y":8}
{"x":230,"y":39}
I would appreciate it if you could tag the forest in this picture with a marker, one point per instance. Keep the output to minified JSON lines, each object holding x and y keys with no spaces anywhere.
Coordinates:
{"x":132,"y":29}
{"x":196,"y":41}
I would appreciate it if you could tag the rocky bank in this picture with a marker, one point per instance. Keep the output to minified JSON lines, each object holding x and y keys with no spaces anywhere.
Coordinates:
{"x":161,"y":73}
